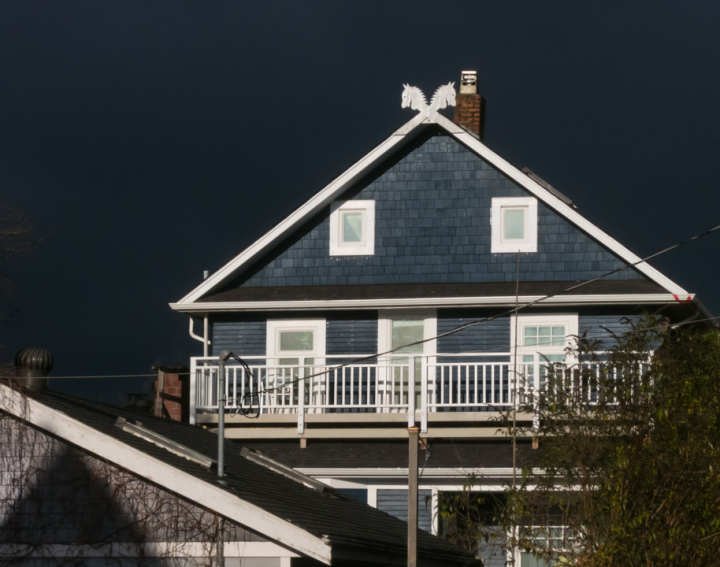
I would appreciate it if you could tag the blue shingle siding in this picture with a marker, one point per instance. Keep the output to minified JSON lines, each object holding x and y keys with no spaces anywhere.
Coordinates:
{"x":394,"y":502}
{"x":432,"y":225}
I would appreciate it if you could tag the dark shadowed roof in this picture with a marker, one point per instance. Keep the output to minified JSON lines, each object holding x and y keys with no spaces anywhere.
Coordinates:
{"x":429,"y":290}
{"x":393,"y":454}
{"x":327,"y":513}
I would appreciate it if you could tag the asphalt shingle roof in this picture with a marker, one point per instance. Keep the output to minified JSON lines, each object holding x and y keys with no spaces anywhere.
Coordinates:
{"x":449,"y":454}
{"x":319,"y":513}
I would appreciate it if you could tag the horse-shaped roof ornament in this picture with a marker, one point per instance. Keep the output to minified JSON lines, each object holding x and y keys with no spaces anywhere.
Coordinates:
{"x":414,"y":98}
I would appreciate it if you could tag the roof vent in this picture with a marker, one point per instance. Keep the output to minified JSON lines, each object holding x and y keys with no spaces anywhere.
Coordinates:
{"x":33,"y":365}
{"x":139,"y":430}
{"x":468,"y":82}
{"x":284,"y":470}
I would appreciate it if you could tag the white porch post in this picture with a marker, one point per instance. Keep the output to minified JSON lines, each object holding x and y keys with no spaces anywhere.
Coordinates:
{"x":424,"y":397}
{"x":301,"y":402}
{"x":411,"y":391}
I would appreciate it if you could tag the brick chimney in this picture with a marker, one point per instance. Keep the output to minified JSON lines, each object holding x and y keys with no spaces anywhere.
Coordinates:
{"x":469,"y":105}
{"x":172,"y":393}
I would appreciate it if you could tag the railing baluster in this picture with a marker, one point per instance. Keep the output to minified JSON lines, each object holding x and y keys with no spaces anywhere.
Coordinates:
{"x":492,"y":384}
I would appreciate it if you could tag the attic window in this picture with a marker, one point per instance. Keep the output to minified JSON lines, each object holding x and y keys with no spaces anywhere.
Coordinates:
{"x":514,"y":225}
{"x":352,"y":228}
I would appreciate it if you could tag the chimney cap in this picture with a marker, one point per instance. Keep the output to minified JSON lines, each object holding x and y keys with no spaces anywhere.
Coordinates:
{"x":468,"y":82}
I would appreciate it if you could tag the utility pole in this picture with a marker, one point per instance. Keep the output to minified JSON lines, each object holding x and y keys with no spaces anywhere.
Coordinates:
{"x":413,"y":442}
{"x":224,"y":355}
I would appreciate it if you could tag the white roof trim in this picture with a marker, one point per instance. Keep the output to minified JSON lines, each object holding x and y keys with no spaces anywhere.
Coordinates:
{"x":326,"y":195}
{"x":440,"y":472}
{"x":316,"y":203}
{"x":551,"y":200}
{"x":416,"y":302}
{"x":195,"y":490}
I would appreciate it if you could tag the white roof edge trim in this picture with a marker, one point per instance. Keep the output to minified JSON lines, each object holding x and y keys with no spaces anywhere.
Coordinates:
{"x":317,"y":202}
{"x":568,"y":212}
{"x":499,"y":472}
{"x":410,"y":302}
{"x":323,"y":197}
{"x":137,"y":462}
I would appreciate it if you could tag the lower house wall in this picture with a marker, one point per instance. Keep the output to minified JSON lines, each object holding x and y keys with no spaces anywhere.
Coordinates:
{"x":492,"y":551}
{"x":395,"y":503}
{"x":356,"y":332}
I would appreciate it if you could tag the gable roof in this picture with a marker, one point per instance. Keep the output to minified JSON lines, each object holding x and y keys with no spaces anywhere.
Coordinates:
{"x":386,"y":150}
{"x":314,"y":523}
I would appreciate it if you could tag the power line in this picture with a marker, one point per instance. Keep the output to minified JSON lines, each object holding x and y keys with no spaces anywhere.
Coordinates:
{"x":498,"y":315}
{"x":605,"y":334}
{"x":461,"y":327}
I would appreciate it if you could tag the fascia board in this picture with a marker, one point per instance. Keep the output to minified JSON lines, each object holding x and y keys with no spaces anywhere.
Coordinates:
{"x":552,"y":201}
{"x":311,"y":207}
{"x":417,"y":302}
{"x":326,"y":195}
{"x":167,"y":476}
{"x":445,"y":472}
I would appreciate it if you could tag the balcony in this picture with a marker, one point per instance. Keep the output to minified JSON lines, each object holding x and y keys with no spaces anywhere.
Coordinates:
{"x":416,"y":390}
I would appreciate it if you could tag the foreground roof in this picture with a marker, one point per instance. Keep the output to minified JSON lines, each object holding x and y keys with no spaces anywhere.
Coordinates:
{"x":316,"y":523}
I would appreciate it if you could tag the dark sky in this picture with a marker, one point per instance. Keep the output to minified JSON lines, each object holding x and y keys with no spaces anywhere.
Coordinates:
{"x":149,"y":141}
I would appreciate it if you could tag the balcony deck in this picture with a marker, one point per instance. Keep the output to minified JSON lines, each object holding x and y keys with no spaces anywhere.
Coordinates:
{"x":458,"y":394}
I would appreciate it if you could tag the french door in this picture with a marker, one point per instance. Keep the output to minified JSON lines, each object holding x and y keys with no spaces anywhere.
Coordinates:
{"x":296,"y":351}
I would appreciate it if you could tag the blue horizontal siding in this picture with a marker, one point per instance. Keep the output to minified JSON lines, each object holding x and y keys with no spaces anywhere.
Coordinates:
{"x":243,"y":336}
{"x":432,"y":225}
{"x":488,"y":336}
{"x":394,"y":502}
{"x":491,"y":551}
{"x":598,"y":327}
{"x":352,"y":333}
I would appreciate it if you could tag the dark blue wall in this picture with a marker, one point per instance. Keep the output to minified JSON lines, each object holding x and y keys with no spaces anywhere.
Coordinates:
{"x":593,"y":322}
{"x":488,"y":336}
{"x":432,"y":206}
{"x":242,"y":334}
{"x":395,"y":503}
{"x":352,"y":333}
{"x":356,"y":333}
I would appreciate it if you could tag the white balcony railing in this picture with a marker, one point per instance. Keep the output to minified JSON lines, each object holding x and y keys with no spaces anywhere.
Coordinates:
{"x":404,"y":384}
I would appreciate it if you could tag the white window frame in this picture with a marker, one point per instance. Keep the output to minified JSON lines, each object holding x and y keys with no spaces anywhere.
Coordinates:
{"x":364,"y":248}
{"x":429,"y":318}
{"x":498,"y":242}
{"x":317,"y":326}
{"x":569,"y":320}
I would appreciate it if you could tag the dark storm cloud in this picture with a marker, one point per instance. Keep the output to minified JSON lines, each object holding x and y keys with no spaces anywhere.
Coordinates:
{"x":151,"y":141}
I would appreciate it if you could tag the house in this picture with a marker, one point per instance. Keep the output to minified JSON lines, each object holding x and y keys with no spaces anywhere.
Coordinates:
{"x":84,"y":483}
{"x":388,"y":299}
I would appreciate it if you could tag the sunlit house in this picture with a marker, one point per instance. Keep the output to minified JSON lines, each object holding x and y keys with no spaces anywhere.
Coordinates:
{"x":430,"y":240}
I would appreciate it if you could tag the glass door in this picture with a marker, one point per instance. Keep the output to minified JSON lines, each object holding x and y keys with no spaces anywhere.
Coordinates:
{"x":399,"y":331}
{"x":406,"y":332}
{"x":295,"y":349}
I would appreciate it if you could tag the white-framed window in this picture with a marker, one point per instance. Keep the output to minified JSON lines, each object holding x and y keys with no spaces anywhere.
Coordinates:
{"x":295,"y":341}
{"x":514,"y":224}
{"x":541,"y":341}
{"x":352,"y":228}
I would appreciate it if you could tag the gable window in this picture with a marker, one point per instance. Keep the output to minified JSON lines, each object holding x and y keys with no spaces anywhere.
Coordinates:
{"x":352,"y":228}
{"x":514,"y":224}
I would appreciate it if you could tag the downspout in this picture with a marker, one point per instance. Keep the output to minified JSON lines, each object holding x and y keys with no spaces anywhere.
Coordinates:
{"x":206,"y":329}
